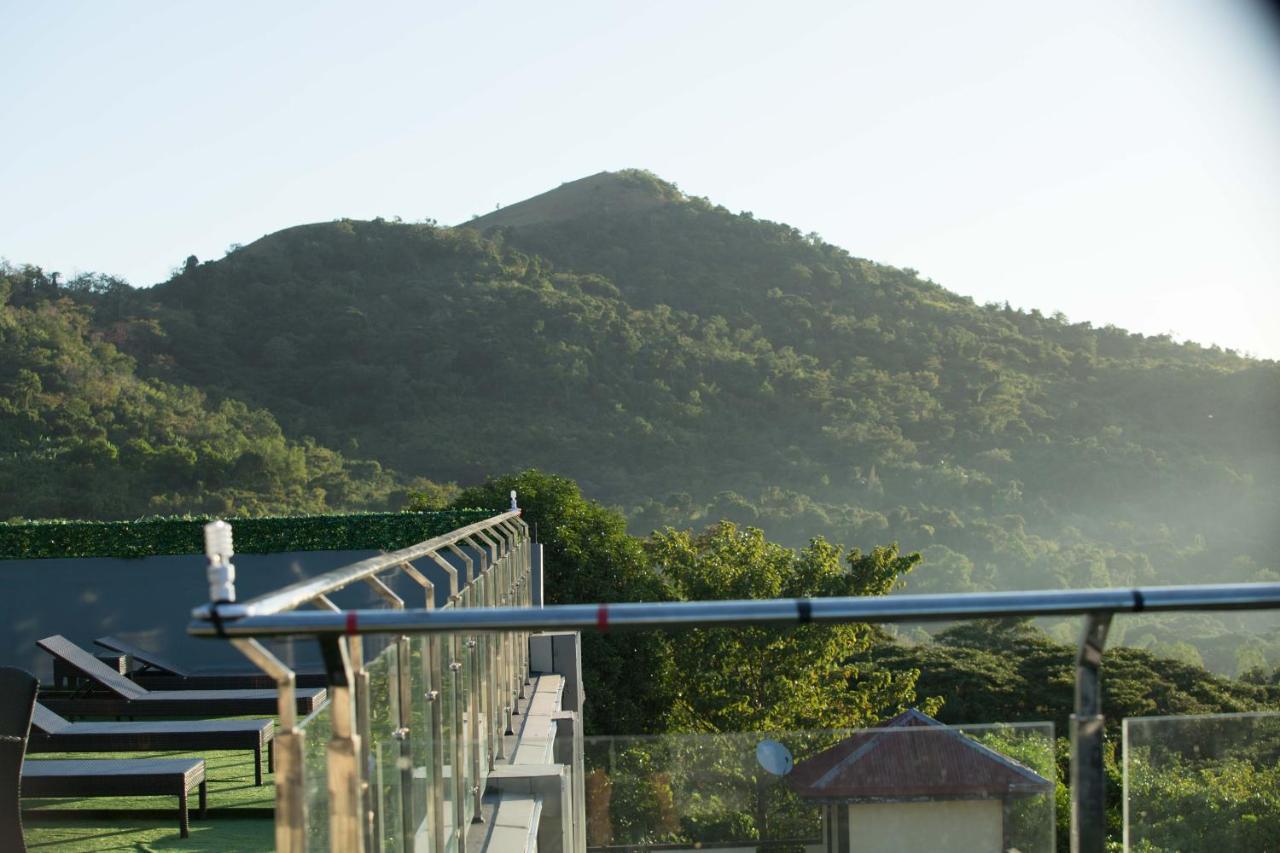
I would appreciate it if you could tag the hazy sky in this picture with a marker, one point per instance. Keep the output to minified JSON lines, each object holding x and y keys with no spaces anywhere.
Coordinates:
{"x":1118,"y":161}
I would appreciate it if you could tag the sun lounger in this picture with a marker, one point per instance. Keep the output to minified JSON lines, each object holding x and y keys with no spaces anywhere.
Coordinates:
{"x":122,"y":697}
{"x":72,"y":778}
{"x":159,"y":673}
{"x":52,"y":733}
{"x":127,"y":777}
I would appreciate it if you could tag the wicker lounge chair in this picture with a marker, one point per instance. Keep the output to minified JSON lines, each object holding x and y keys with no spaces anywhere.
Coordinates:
{"x":72,"y":778}
{"x":125,"y":698}
{"x":52,"y":733}
{"x":17,"y":697}
{"x":159,"y":673}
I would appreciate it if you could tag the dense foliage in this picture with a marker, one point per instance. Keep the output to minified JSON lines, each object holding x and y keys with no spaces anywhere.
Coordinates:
{"x":83,"y":436}
{"x":692,"y":775}
{"x":1189,"y":791}
{"x":768,"y":679}
{"x":973,"y":666}
{"x":261,"y":535}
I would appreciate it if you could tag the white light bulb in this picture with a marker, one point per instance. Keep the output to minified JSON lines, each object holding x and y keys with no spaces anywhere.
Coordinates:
{"x":221,"y":573}
{"x":217,"y":541}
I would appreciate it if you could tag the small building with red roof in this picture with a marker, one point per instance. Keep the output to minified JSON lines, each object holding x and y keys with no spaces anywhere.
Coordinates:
{"x":913,"y":783}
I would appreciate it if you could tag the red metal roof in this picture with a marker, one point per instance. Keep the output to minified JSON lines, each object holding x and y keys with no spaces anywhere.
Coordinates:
{"x":914,"y":757}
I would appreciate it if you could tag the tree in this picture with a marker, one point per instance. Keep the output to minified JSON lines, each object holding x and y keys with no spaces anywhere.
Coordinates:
{"x":594,"y":560}
{"x":767,"y":679}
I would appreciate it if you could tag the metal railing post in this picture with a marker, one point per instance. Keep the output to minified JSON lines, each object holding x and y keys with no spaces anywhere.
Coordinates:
{"x":485,"y":673}
{"x":459,"y":776}
{"x":466,"y":561}
{"x":473,"y":724}
{"x":355,"y":648}
{"x":346,"y":798}
{"x":291,"y":801}
{"x":1088,"y":779}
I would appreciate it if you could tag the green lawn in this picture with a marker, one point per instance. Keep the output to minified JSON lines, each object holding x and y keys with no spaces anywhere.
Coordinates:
{"x":231,"y":788}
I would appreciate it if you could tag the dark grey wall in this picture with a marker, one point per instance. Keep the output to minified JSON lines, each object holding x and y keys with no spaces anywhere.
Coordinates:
{"x":149,"y":601}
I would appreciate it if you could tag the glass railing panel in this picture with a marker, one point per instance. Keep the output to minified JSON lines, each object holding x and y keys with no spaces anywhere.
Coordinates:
{"x":315,"y":776}
{"x":917,"y":787}
{"x":1209,"y":782}
{"x":383,"y":748}
{"x":384,"y":782}
{"x":421,"y":742}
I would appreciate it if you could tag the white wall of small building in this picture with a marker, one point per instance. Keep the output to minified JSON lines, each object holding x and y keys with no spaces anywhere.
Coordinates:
{"x":940,"y":826}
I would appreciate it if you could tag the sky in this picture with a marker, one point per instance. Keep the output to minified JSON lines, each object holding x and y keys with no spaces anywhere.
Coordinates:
{"x":1117,"y":162}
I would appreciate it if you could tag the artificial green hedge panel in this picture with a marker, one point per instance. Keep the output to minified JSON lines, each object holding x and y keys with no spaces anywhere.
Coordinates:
{"x":149,"y":537}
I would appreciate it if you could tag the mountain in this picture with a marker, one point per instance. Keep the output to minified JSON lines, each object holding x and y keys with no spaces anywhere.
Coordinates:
{"x":603,"y":194}
{"x":82,"y":436}
{"x":688,"y":364}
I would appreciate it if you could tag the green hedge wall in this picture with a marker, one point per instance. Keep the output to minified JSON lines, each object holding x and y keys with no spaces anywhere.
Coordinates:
{"x":149,"y":537}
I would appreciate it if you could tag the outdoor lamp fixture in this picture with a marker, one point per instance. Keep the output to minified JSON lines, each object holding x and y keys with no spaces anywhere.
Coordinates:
{"x":221,"y":572}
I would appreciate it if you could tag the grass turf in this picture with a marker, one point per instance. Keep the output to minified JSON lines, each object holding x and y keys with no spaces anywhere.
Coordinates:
{"x":140,"y":826}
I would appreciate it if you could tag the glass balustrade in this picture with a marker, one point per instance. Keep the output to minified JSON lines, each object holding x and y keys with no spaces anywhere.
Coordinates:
{"x":921,"y":786}
{"x":432,"y":715}
{"x":1202,"y":783}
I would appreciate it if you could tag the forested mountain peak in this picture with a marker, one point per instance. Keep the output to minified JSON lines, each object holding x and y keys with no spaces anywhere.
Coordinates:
{"x":604,"y":193}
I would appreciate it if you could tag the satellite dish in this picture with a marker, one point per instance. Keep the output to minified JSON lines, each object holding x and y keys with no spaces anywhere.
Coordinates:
{"x":774,"y":757}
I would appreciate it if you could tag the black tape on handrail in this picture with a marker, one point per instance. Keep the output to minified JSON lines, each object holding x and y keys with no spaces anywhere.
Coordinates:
{"x":804,"y":610}
{"x":216,"y":618}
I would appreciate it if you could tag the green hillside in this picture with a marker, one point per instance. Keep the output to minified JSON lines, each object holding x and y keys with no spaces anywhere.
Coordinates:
{"x":82,"y":436}
{"x":690,"y":364}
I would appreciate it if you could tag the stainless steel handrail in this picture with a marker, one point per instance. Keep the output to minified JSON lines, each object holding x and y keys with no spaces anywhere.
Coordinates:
{"x":678,"y":614}
{"x":356,"y":816}
{"x":297,"y":594}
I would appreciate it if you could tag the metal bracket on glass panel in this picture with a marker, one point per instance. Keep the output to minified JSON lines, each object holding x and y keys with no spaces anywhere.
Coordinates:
{"x":385,"y":592}
{"x":421,"y":580}
{"x":466,"y":561}
{"x":450,"y":570}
